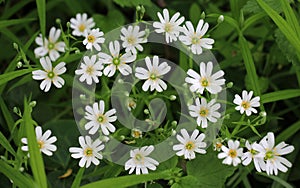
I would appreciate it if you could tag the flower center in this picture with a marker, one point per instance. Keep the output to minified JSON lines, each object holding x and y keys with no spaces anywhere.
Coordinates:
{"x":41,"y":144}
{"x":204,"y":82}
{"x":139,"y":157}
{"x":168,"y":27}
{"x":232,"y":153}
{"x":253,"y":152}
{"x":190,"y":145}
{"x":203,"y":112}
{"x":101,"y":118}
{"x":153,"y":76}
{"x":136,"y":134}
{"x":90,"y":70}
{"x":88,"y":152}
{"x":91,"y":38}
{"x":132,"y":104}
{"x":116,"y":61}
{"x":51,"y":74}
{"x":81,"y":27}
{"x":51,"y":46}
{"x":245,"y":105}
{"x":269,"y":155}
{"x":131,"y":40}
{"x":219,"y":145}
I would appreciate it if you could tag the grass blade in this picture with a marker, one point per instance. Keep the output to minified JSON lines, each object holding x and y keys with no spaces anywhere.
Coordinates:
{"x":6,"y":114}
{"x":36,"y":161}
{"x":279,"y":180}
{"x":288,"y":132}
{"x":280,"y":95}
{"x":4,"y":142}
{"x":129,"y":180}
{"x":16,"y":176}
{"x":41,"y":7}
{"x":290,"y":16}
{"x":6,"y":23}
{"x":77,"y":180}
{"x":4,"y":78}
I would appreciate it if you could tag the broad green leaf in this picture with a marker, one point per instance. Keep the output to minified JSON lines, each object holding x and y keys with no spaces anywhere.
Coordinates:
{"x":253,"y":20}
{"x":209,"y":170}
{"x":195,"y":13}
{"x":4,"y":142}
{"x":263,"y":83}
{"x":109,"y":22}
{"x":288,"y":132}
{"x":129,"y":180}
{"x":252,"y":6}
{"x":36,"y":160}
{"x":4,"y":78}
{"x":187,"y":181}
{"x":16,"y":176}
{"x":41,"y":8}
{"x":6,"y":23}
{"x":280,"y":95}
{"x":77,"y":180}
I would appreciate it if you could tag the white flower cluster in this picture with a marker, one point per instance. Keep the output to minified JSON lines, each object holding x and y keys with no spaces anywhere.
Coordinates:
{"x":265,"y":155}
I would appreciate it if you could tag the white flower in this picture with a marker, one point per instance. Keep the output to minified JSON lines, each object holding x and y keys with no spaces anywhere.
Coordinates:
{"x":231,"y":154}
{"x":98,"y":118}
{"x":50,"y":75}
{"x":153,"y":75}
{"x":93,"y":39}
{"x":205,"y":111}
{"x":190,"y":144}
{"x":171,"y":28}
{"x":45,"y":142}
{"x":205,"y":80}
{"x":217,"y":144}
{"x":195,"y":39}
{"x":131,"y":103}
{"x":272,"y":155}
{"x":81,"y":24}
{"x":136,"y":133}
{"x":88,"y":152}
{"x":89,"y":70}
{"x":116,"y":61}
{"x":140,"y":160}
{"x":50,"y":46}
{"x":246,"y":104}
{"x":132,"y":38}
{"x":252,"y":154}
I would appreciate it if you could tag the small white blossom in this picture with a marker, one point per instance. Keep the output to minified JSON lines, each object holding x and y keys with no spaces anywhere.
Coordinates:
{"x":246,"y":104}
{"x":272,"y":155}
{"x":190,"y":144}
{"x":204,"y":111}
{"x":45,"y":142}
{"x":170,"y":27}
{"x":140,"y":162}
{"x":153,"y":75}
{"x":194,"y":39}
{"x":93,"y":39}
{"x":50,"y":46}
{"x":136,"y":133}
{"x":100,"y":119}
{"x":81,"y":24}
{"x":88,"y":152}
{"x":252,"y":154}
{"x":206,"y":80}
{"x":132,"y":37}
{"x":116,"y":61}
{"x":131,"y":103}
{"x":231,"y":154}
{"x":50,"y":75}
{"x":90,"y":70}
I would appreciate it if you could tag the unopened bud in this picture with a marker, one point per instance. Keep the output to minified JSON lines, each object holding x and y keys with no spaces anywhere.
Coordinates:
{"x":58,"y":21}
{"x":19,"y":64}
{"x":174,"y":123}
{"x":263,"y":114}
{"x":32,"y":104}
{"x":173,"y":132}
{"x":172,"y":97}
{"x":220,"y":19}
{"x":229,"y":85}
{"x":77,"y":51}
{"x":15,"y":45}
{"x":120,"y":81}
{"x":122,"y":137}
{"x":16,"y":110}
{"x":21,"y":169}
{"x":68,"y":24}
{"x":202,"y":15}
{"x":82,"y":96}
{"x":146,"y":111}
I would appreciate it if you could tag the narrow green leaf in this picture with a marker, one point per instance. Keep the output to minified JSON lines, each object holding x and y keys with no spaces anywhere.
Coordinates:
{"x":16,"y":176}
{"x":290,"y":16}
{"x":275,"y":178}
{"x":41,"y":7}
{"x":252,"y":20}
{"x":249,"y":64}
{"x":36,"y":160}
{"x":6,"y":23}
{"x":4,"y":142}
{"x":4,"y":78}
{"x":280,"y":95}
{"x":288,"y":132}
{"x":6,"y":114}
{"x":77,"y":180}
{"x":129,"y":180}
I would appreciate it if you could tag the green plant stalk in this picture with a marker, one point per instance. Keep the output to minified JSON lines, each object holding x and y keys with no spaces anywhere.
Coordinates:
{"x":41,"y":8}
{"x":77,"y":180}
{"x":36,"y":160}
